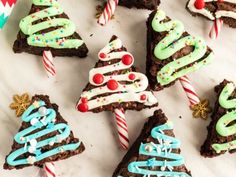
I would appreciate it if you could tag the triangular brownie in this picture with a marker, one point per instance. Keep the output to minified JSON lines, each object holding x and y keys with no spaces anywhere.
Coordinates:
{"x":225,"y":10}
{"x":140,"y":4}
{"x":47,"y":27}
{"x":115,"y":83}
{"x":44,"y":136}
{"x":156,"y":152}
{"x":171,"y":51}
{"x":222,"y":129}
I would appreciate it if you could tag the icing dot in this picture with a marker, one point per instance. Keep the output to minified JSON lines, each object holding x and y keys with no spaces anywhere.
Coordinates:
{"x":84,"y":100}
{"x":82,"y":107}
{"x":98,"y":78}
{"x":112,"y":84}
{"x":132,"y":76}
{"x":199,"y":4}
{"x":143,"y":97}
{"x":51,"y":143}
{"x":31,"y":159}
{"x":102,"y":55}
{"x":34,"y":121}
{"x":42,"y":111}
{"x":127,"y":59}
{"x":33,"y":142}
{"x":31,"y":149}
{"x":148,"y":148}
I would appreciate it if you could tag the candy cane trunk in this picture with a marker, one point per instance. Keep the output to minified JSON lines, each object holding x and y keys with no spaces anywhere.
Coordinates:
{"x":48,"y":64}
{"x":49,"y":169}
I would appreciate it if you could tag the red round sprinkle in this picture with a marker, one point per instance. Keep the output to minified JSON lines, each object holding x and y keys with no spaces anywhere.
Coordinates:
{"x":102,"y":55}
{"x":132,"y":76}
{"x":199,"y":4}
{"x":112,"y":84}
{"x":98,"y":78}
{"x":84,"y":100}
{"x":82,"y":107}
{"x":127,"y":59}
{"x":143,"y":97}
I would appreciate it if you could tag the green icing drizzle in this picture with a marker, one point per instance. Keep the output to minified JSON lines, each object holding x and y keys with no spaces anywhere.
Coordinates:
{"x":222,"y":127}
{"x":55,"y":38}
{"x":171,"y":44}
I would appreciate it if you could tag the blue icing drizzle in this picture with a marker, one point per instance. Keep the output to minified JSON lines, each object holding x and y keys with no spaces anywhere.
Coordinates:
{"x":38,"y":120}
{"x":161,"y":150}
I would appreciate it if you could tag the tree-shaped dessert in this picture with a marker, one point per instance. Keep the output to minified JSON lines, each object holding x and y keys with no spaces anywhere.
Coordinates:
{"x":222,"y":129}
{"x":44,"y":136}
{"x":48,"y":28}
{"x":115,"y":85}
{"x":156,"y":152}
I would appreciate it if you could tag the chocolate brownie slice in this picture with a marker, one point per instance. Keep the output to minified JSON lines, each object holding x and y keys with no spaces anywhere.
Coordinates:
{"x":226,"y":10}
{"x":171,"y":51}
{"x":222,"y":131}
{"x":114,"y":83}
{"x":44,"y":136}
{"x":47,"y":27}
{"x":140,"y":4}
{"x":156,"y":152}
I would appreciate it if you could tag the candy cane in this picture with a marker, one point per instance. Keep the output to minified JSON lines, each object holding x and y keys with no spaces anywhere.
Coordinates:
{"x":48,"y":63}
{"x":6,"y":7}
{"x":49,"y":169}
{"x":108,"y":12}
{"x":189,"y":90}
{"x":122,"y":127}
{"x":215,"y":29}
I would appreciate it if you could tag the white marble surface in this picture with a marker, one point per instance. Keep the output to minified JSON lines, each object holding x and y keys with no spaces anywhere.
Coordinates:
{"x":24,"y":73}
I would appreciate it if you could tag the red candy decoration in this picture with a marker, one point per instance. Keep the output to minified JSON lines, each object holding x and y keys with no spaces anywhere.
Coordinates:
{"x":132,"y":76}
{"x":84,"y":100}
{"x":143,"y":97}
{"x":82,"y":107}
{"x":102,"y":55}
{"x":112,"y":84}
{"x":199,"y":4}
{"x":98,"y":78}
{"x":127,"y":59}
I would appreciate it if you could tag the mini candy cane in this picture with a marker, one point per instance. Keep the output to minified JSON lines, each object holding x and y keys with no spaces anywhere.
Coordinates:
{"x":122,"y":128}
{"x":189,"y":90}
{"x":109,"y":10}
{"x":49,"y":169}
{"x":6,"y":7}
{"x":48,"y":63}
{"x":215,"y":29}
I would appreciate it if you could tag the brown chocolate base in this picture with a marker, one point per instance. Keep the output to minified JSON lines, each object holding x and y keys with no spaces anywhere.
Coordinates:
{"x":213,"y":136}
{"x":140,"y":4}
{"x":60,"y":156}
{"x":21,"y":44}
{"x":213,"y":7}
{"x":157,"y":119}
{"x":111,"y":107}
{"x":153,"y":64}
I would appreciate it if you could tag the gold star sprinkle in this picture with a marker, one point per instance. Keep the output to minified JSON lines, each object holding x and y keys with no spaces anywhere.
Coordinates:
{"x":201,"y":110}
{"x":20,"y":103}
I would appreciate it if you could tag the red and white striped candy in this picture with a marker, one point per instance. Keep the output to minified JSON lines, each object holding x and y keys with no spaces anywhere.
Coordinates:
{"x":49,"y":169}
{"x":109,"y":10}
{"x":48,"y":63}
{"x":189,"y":90}
{"x":216,"y":28}
{"x":122,"y":128}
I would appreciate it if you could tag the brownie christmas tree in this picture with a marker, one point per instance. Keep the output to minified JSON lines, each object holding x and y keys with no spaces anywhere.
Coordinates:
{"x":171,"y":52}
{"x":156,"y":152}
{"x":143,"y":4}
{"x":47,"y":27}
{"x":114,"y":83}
{"x":214,"y":9}
{"x":43,"y":137}
{"x":222,"y":129}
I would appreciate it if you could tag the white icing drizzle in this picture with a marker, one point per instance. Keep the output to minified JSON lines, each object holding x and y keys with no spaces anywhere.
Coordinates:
{"x":125,"y":92}
{"x":210,"y":15}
